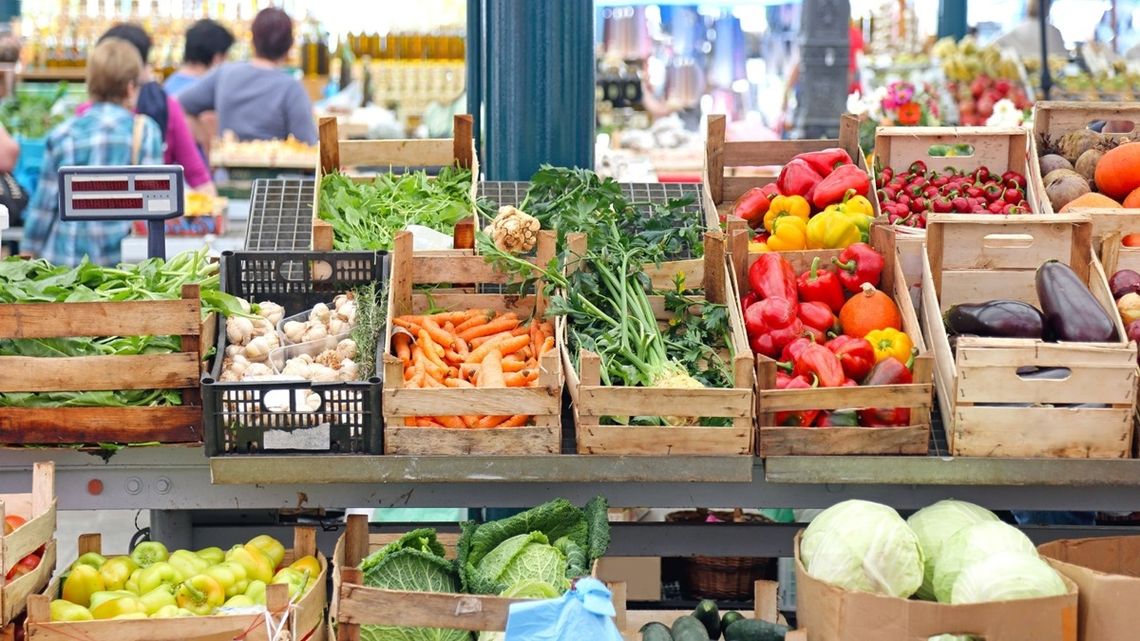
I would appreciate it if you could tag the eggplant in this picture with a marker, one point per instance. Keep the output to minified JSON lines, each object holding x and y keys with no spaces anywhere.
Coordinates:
{"x":997,"y":319}
{"x":1072,"y":313}
{"x":1124,"y":282}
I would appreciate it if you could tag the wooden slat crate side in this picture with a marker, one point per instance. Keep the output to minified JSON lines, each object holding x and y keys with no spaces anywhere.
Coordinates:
{"x":333,"y":154}
{"x":68,"y":425}
{"x":977,"y":384}
{"x":308,"y":612}
{"x":918,"y":396}
{"x":127,"y":318}
{"x":38,"y":507}
{"x":14,"y":596}
{"x":78,"y":373}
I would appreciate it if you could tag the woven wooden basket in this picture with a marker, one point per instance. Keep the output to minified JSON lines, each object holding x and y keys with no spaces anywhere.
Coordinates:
{"x":721,"y":577}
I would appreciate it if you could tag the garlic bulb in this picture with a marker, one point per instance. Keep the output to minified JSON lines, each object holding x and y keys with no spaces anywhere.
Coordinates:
{"x":239,"y":330}
{"x":346,"y":348}
{"x":337,"y":326}
{"x":271,"y":312}
{"x":297,"y":367}
{"x":234,"y":350}
{"x":294,"y":331}
{"x":314,"y":332}
{"x":258,"y":349}
{"x":320,"y":313}
{"x":322,"y":374}
{"x":262,"y":326}
{"x":258,"y":369}
{"x":348,"y":370}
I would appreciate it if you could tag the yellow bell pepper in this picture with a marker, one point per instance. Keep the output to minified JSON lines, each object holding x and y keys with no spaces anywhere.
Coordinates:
{"x":890,"y":343}
{"x":116,"y":607}
{"x":858,"y":209}
{"x":785,"y":206}
{"x":757,"y":248}
{"x":81,"y":583}
{"x":789,"y":233}
{"x":63,"y":610}
{"x":200,"y":594}
{"x":831,"y":230}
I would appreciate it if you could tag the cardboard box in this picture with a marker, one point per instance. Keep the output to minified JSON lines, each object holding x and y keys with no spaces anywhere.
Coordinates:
{"x":831,"y":613}
{"x":1107,"y":571}
{"x":641,"y":574}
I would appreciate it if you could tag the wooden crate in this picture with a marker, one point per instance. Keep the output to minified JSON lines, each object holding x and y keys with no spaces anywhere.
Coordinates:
{"x":975,"y":258}
{"x":39,"y":507}
{"x":734,"y":167}
{"x":306,"y":616}
{"x":543,"y":401}
{"x":765,"y":608}
{"x":775,"y":440}
{"x":1055,"y":118}
{"x":334,"y":154}
{"x":592,"y":400}
{"x":354,"y":605}
{"x":59,"y":425}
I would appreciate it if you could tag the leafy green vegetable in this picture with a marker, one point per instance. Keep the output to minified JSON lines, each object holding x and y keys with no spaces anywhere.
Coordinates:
{"x":414,"y":563}
{"x":367,"y":216}
{"x":496,"y":556}
{"x":30,"y":114}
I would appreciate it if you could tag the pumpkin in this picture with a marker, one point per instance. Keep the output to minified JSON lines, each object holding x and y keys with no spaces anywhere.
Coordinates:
{"x":1118,"y":172}
{"x":867,"y":311}
{"x":1091,"y":200}
{"x":1133,"y":200}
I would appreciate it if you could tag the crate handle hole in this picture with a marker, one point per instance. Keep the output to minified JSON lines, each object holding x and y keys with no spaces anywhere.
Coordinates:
{"x":1113,"y":126}
{"x":1055,"y":374}
{"x":957,"y":150}
{"x":1007,"y":241}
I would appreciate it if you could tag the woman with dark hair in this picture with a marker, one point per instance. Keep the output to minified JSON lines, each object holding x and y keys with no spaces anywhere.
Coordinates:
{"x":153,"y":101}
{"x":256,"y":100}
{"x":207,"y":43}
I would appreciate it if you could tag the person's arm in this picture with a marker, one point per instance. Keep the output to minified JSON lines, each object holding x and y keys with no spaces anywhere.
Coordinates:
{"x":43,"y":209}
{"x":184,"y":152}
{"x":197,"y":99}
{"x":9,"y":151}
{"x":299,"y":115}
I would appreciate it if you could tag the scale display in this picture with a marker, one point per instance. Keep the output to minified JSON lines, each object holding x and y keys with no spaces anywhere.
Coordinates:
{"x":151,"y":193}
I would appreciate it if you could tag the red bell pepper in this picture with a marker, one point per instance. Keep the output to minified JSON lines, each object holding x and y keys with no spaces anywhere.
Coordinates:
{"x":816,"y":315}
{"x":817,"y":360}
{"x":826,"y":161}
{"x":803,"y":418}
{"x":753,"y":204}
{"x":888,"y":371}
{"x":772,"y":276}
{"x":747,"y":300}
{"x":772,"y":324}
{"x":792,"y":351}
{"x":859,"y":264}
{"x":856,"y":355}
{"x":837,"y":418}
{"x":797,"y":178}
{"x":832,"y":189}
{"x":821,"y":285}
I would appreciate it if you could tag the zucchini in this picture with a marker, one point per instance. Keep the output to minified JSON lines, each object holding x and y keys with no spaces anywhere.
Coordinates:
{"x":729,"y":618}
{"x":655,"y":632}
{"x":755,"y":630}
{"x":708,"y":614}
{"x":689,"y":628}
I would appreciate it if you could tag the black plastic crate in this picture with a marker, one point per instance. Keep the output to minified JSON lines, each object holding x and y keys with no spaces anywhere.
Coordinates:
{"x":236,"y":416}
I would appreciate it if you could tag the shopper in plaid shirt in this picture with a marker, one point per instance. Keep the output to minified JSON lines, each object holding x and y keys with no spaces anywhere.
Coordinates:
{"x":107,"y":134}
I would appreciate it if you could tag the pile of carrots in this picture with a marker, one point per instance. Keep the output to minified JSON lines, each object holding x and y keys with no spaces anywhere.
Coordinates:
{"x":473,"y":348}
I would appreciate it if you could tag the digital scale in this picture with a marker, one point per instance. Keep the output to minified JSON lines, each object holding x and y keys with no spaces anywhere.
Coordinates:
{"x":152,"y":193}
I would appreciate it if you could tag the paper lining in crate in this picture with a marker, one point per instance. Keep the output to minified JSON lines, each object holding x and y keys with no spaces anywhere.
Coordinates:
{"x":1056,"y":118}
{"x":832,"y":613}
{"x":988,"y":407}
{"x":66,"y":425}
{"x":353,"y":604}
{"x":334,"y":154}
{"x":39,"y":507}
{"x":775,"y":440}
{"x":303,"y":620}
{"x":543,"y":402}
{"x":592,"y":401}
{"x":732,"y":167}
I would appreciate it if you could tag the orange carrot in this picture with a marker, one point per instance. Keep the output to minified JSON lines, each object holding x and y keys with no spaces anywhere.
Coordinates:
{"x":513,"y":365}
{"x":491,"y":374}
{"x":547,"y":345}
{"x":426,"y":421}
{"x":410,"y":323}
{"x":402,"y":343}
{"x":481,"y":340}
{"x":450,"y":421}
{"x":452,"y":356}
{"x":490,"y":421}
{"x":431,"y":350}
{"x":457,"y":382}
{"x":474,"y":320}
{"x":461,"y":347}
{"x":481,"y":352}
{"x":520,"y":379}
{"x":437,"y":334}
{"x":504,"y":323}
{"x":514,"y":344}
{"x":521,"y":330}
{"x":448,"y":317}
{"x":535,"y":335}
{"x":518,"y":420}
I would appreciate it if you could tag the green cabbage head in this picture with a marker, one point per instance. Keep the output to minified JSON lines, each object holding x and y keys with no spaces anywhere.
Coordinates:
{"x":971,"y":544}
{"x":864,"y":546}
{"x":935,"y":524}
{"x":526,"y":558}
{"x":1007,"y":576}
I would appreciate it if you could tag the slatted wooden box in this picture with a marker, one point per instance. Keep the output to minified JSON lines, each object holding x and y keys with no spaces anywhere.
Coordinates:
{"x":988,"y":408}
{"x":305,"y":618}
{"x":333,"y":154}
{"x":544,"y":402}
{"x":39,"y":508}
{"x":64,"y":425}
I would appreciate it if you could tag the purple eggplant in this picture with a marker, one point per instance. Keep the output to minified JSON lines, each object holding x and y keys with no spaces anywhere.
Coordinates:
{"x":1072,"y":313}
{"x":997,"y":319}
{"x":1124,"y":282}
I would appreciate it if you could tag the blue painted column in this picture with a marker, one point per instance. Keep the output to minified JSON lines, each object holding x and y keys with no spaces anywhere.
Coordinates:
{"x":952,"y":19}
{"x":535,"y":83}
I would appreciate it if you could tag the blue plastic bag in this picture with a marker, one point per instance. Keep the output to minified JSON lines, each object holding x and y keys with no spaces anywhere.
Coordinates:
{"x":584,"y":612}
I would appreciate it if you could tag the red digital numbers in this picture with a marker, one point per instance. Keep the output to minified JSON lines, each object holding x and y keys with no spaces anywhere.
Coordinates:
{"x":106,"y":203}
{"x":98,"y":185}
{"x":152,"y":184}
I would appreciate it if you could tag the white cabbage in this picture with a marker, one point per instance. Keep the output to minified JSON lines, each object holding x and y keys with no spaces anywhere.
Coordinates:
{"x":935,"y":524}
{"x":1007,"y":576}
{"x":971,"y":544}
